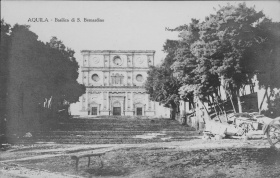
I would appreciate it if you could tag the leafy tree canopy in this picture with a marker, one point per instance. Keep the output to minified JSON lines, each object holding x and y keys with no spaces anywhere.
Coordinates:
{"x":40,"y":76}
{"x":161,"y":84}
{"x":227,"y":47}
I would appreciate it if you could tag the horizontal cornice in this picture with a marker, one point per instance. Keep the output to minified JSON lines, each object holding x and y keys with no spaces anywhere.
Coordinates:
{"x":118,"y":51}
{"x":84,"y":69}
{"x":117,"y":87}
{"x":110,"y":89}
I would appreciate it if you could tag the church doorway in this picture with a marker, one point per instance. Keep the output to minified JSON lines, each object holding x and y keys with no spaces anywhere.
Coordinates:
{"x":117,"y":108}
{"x":94,"y":111}
{"x":116,"y":111}
{"x":139,"y":111}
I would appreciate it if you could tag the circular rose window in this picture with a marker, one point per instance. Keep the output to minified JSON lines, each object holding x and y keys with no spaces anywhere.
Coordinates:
{"x":95,"y":77}
{"x":118,"y":61}
{"x":139,"y":78}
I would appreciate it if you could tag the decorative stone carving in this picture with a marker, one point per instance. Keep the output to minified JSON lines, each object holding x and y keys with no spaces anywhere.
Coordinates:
{"x":104,"y":101}
{"x":95,"y":60}
{"x":139,"y":60}
{"x":129,"y":58}
{"x":94,"y":96}
{"x":116,"y":104}
{"x":117,"y":79}
{"x":122,"y":94}
{"x":138,"y":104}
{"x":138,"y":97}
{"x":106,"y":60}
{"x":94,"y":92}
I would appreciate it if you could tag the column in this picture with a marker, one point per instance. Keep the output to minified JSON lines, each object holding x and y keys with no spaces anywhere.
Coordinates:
{"x":108,"y":101}
{"x":104,"y":59}
{"x":126,"y":101}
{"x":132,"y":60}
{"x":88,"y":77}
{"x":124,"y":105}
{"x":88,"y":58}
{"x":87,"y":102}
{"x":144,"y":110}
{"x":103,"y":101}
{"x":149,"y":102}
{"x":109,"y":75}
{"x":131,"y":100}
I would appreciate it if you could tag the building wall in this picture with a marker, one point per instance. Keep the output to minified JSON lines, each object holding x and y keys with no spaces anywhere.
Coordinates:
{"x":114,"y":84}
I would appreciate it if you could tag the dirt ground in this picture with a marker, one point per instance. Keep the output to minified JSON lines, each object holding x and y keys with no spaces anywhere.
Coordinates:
{"x":181,"y":159}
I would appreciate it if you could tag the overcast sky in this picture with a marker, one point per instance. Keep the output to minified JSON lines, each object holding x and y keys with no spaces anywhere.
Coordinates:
{"x":126,"y":26}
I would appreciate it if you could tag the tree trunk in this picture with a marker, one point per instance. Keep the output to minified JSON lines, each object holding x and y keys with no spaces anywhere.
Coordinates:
{"x":217,"y":114}
{"x":208,"y":115}
{"x":252,"y":88}
{"x":238,"y":101}
{"x":214,"y":106}
{"x":21,"y":118}
{"x":265,"y":94}
{"x":221,"y":110}
{"x":50,"y":102}
{"x":268,"y":97}
{"x":230,"y":96}
{"x":173,"y":110}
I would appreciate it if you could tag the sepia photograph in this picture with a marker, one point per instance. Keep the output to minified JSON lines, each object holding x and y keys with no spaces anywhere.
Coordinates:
{"x":140,"y":89}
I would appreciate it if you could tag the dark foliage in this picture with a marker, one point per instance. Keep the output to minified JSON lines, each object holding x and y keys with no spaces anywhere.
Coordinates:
{"x":161,"y":84}
{"x":39,"y":80}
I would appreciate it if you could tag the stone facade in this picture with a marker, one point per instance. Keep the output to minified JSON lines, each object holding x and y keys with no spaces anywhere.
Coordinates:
{"x":114,"y":83}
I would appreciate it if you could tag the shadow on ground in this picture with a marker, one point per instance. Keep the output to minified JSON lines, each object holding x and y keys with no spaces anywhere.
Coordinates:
{"x":108,"y":171}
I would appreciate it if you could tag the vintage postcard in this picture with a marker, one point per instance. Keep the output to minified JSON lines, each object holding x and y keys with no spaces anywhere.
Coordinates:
{"x":140,"y":89}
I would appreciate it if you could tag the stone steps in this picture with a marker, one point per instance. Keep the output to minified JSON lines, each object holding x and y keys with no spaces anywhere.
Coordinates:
{"x":101,"y":140}
{"x":113,"y":130}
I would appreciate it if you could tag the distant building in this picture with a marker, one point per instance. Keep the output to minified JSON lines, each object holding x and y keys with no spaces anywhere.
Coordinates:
{"x":114,"y":84}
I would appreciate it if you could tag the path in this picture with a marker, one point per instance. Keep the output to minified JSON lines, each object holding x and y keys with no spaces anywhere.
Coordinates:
{"x":8,"y":169}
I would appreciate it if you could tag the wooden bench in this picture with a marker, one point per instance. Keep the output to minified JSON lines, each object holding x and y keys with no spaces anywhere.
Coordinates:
{"x":77,"y":157}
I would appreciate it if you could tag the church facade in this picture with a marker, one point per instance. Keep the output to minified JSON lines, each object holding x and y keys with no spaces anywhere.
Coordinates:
{"x":114,"y":83}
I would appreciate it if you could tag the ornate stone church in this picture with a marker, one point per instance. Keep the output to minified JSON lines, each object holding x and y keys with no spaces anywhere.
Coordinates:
{"x":114,"y":83}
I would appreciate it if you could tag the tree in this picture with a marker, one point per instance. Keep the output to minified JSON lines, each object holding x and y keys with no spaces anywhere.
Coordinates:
{"x":222,"y":48}
{"x":63,"y":87}
{"x":266,"y":51}
{"x":41,"y":79}
{"x":192,"y":68}
{"x":5,"y":43}
{"x":161,"y":84}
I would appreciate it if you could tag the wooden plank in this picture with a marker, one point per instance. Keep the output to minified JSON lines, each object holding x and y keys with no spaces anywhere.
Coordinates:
{"x":87,"y":155}
{"x":77,"y":157}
